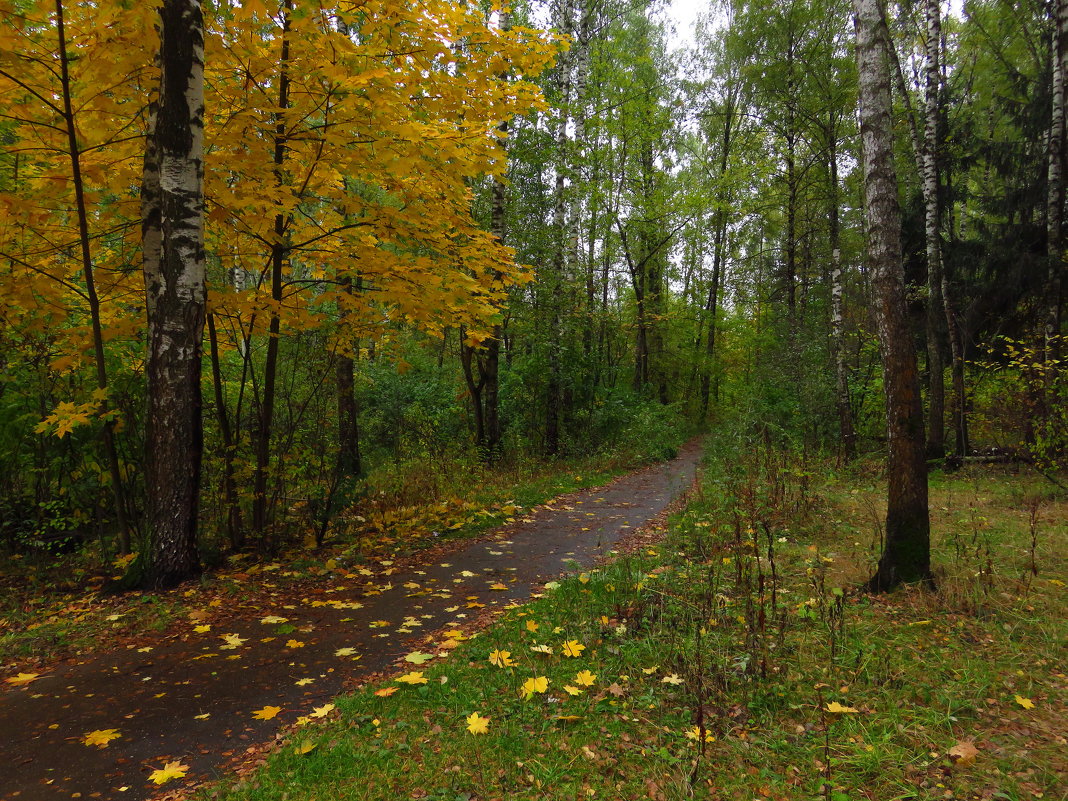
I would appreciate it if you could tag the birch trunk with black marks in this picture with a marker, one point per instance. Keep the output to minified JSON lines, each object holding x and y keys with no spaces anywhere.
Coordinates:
{"x":906,"y":553}
{"x":844,"y":405}
{"x":173,"y":222}
{"x":1055,"y":190}
{"x":929,"y":174}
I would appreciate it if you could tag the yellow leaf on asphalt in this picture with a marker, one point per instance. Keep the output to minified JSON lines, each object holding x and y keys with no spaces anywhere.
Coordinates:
{"x":101,"y":737}
{"x":267,"y":713}
{"x":171,"y":770}
{"x":22,"y":679}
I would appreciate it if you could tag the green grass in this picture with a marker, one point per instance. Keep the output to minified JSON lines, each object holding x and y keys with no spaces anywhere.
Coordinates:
{"x":697,"y":635}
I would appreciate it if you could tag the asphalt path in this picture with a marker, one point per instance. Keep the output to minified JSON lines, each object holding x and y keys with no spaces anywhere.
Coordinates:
{"x":190,"y":696}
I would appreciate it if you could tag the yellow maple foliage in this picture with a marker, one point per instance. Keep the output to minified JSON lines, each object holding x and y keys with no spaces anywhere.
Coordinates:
{"x":267,"y":713}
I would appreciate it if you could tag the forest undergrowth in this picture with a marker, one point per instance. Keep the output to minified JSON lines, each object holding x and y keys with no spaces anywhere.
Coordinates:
{"x":730,"y":656}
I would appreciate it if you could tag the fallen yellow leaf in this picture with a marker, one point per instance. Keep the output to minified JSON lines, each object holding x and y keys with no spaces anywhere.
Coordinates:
{"x":836,"y":708}
{"x":267,"y":713}
{"x":1026,"y":703}
{"x":171,"y":770}
{"x":101,"y":737}
{"x":476,"y":724}
{"x":22,"y":679}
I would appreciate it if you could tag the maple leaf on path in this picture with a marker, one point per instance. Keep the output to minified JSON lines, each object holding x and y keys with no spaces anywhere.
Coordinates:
{"x":101,"y":737}
{"x":22,"y":679}
{"x":267,"y":713}
{"x":476,"y":724}
{"x":273,"y":619}
{"x":346,"y":651}
{"x":170,"y":770}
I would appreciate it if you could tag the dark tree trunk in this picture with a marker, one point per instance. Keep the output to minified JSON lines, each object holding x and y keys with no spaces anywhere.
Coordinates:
{"x":279,"y":254}
{"x":349,"y":462}
{"x":235,"y":528}
{"x":108,"y":430}
{"x":906,"y":553}
{"x":174,"y":285}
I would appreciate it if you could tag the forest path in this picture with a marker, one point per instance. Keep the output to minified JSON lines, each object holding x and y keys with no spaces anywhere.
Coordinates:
{"x":190,"y":697}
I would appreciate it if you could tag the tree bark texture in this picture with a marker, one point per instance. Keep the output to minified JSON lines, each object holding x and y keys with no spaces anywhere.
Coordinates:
{"x":932,"y":218}
{"x":906,"y":551}
{"x":173,"y":209}
{"x":279,"y":255}
{"x":1055,"y":187}
{"x":74,"y":151}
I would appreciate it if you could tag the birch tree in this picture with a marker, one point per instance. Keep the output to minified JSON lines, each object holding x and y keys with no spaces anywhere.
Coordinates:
{"x":906,"y":553}
{"x":173,"y":237}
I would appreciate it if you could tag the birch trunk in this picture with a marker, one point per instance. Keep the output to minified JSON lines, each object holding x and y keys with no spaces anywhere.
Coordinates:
{"x":174,"y":285}
{"x":1055,"y":179}
{"x":846,"y":430}
{"x":935,"y":299}
{"x":906,"y":551}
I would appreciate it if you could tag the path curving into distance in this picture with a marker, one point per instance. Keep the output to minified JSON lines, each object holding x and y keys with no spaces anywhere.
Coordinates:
{"x":190,"y":696}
